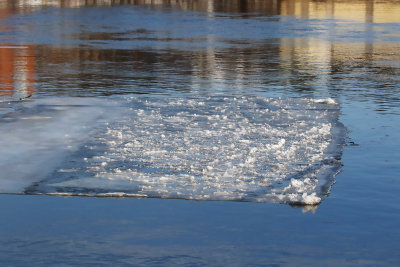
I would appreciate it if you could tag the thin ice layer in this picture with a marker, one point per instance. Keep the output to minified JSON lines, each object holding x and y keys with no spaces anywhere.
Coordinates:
{"x":209,"y":148}
{"x":37,"y":135}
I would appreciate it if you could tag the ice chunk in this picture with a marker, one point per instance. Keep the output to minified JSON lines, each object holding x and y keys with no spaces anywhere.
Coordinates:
{"x":208,"y":148}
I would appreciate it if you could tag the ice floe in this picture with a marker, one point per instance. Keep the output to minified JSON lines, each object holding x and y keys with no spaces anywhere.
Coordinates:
{"x":284,"y":150}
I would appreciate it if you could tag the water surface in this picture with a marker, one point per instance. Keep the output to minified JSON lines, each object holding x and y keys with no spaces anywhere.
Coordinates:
{"x":289,"y":101}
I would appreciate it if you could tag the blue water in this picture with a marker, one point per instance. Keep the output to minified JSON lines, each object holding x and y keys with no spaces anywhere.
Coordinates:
{"x":80,"y":83}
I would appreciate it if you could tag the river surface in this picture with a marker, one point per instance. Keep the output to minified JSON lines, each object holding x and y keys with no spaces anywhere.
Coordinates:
{"x":195,"y":133}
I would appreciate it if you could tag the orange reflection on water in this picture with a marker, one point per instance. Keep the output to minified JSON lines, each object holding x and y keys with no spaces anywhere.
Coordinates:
{"x":17,"y":71}
{"x":17,"y":62}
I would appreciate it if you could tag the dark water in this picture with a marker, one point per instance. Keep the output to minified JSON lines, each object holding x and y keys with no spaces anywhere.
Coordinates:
{"x":103,"y":51}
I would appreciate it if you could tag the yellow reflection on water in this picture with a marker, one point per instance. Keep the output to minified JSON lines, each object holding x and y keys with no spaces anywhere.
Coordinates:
{"x":360,"y":10}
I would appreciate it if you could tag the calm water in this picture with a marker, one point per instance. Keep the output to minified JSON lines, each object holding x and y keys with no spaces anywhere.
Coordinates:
{"x":287,"y":101}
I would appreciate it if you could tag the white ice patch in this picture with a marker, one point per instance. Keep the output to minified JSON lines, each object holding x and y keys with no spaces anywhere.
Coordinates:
{"x":36,"y":136}
{"x":329,"y":101}
{"x":207,"y":148}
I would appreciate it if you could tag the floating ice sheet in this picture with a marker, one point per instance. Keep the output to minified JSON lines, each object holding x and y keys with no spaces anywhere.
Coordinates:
{"x":203,"y":148}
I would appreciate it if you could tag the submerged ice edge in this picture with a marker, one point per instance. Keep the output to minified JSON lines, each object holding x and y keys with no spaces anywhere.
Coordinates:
{"x":207,"y":148}
{"x":37,"y":135}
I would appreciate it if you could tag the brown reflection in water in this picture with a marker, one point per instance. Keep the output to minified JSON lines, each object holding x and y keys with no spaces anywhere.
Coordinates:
{"x":362,"y":10}
{"x":303,"y":65}
{"x":17,"y":71}
{"x":17,"y":64}
{"x":80,"y":71}
{"x":363,"y":71}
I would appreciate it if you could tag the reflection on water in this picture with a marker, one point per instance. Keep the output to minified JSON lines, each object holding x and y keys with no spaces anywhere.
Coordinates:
{"x":291,"y":66}
{"x":17,"y":69}
{"x":17,"y":65}
{"x":290,"y":47}
{"x":362,"y":10}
